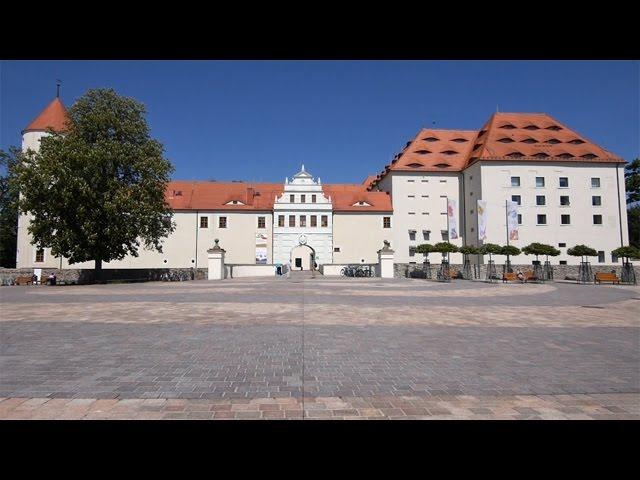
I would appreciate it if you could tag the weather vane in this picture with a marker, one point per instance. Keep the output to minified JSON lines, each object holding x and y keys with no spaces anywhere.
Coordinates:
{"x":58,"y":83}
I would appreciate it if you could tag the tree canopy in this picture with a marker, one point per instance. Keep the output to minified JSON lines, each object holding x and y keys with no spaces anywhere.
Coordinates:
{"x":536,"y":249}
{"x":424,"y":248}
{"x":445,"y":247}
{"x":626,"y":252}
{"x":509,"y":250}
{"x":8,"y":207}
{"x":582,"y":251}
{"x":632,"y":180}
{"x":469,"y":250}
{"x":96,"y":191}
{"x":491,"y":249}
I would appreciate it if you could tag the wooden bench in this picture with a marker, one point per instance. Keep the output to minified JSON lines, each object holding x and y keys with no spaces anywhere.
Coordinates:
{"x":606,"y":277}
{"x":509,"y":277}
{"x":530,"y":276}
{"x":24,"y":280}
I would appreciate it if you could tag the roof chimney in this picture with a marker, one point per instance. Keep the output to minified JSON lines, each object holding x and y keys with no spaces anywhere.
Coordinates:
{"x":250,"y":194}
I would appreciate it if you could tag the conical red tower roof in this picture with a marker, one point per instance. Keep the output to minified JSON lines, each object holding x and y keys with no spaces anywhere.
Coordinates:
{"x":54,"y":116}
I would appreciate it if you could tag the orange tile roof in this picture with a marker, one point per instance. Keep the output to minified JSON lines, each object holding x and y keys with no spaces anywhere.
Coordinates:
{"x":53,"y":116}
{"x":527,"y":137}
{"x":535,"y":137}
{"x":185,"y":195}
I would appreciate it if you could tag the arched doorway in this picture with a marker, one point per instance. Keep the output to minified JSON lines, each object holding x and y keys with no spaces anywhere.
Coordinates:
{"x":302,"y":257}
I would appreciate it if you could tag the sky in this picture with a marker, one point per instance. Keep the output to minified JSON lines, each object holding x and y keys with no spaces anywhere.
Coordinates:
{"x":260,"y":120}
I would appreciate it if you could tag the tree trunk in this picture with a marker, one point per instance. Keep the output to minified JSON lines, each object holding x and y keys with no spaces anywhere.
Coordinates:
{"x":98,"y":271}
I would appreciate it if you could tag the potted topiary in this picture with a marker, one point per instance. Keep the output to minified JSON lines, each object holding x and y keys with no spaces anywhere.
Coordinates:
{"x":445,"y":248}
{"x":425,"y":249}
{"x":628,"y":273}
{"x":491,"y":249}
{"x":585,"y":273}
{"x":466,"y":264}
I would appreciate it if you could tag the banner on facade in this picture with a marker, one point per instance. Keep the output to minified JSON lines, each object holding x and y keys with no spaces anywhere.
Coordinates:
{"x":261,"y":248}
{"x":512,"y":220}
{"x":482,"y":220}
{"x":452,"y":218}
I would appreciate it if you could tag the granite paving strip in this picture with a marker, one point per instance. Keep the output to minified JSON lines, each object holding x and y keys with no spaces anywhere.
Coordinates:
{"x":622,"y":406}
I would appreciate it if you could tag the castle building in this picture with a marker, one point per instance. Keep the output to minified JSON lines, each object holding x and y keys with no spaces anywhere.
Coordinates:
{"x":562,"y":188}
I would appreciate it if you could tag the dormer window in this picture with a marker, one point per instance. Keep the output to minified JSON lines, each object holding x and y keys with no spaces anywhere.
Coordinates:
{"x":565,"y":155}
{"x":234,"y":202}
{"x":442,"y":165}
{"x":532,"y":127}
{"x":541,"y":155}
{"x":361,"y":203}
{"x":554,"y":128}
{"x":530,"y":140}
{"x":460,"y":140}
{"x":576,"y":141}
{"x":588,"y":156}
{"x":508,"y":126}
{"x":514,"y":154}
{"x":506,"y":140}
{"x":422,"y":152}
{"x":431,"y":139}
{"x":449,"y":152}
{"x":553,"y":141}
{"x":177,"y":193}
{"x":415,"y":165}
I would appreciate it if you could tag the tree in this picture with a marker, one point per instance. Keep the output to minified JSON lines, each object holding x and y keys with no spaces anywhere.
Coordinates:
{"x":582,"y":251}
{"x":632,"y":180}
{"x":96,"y":191}
{"x":633,"y":220}
{"x":536,"y":249}
{"x":8,"y":207}
{"x":490,"y":249}
{"x":469,"y":250}
{"x":627,"y":252}
{"x":425,"y":249}
{"x":509,"y":250}
{"x":445,"y":248}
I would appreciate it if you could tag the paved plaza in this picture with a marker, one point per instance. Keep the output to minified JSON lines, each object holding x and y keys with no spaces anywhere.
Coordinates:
{"x":320,"y":348}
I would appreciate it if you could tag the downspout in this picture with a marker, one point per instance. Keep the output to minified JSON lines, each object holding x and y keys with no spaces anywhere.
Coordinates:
{"x":619,"y":206}
{"x":197,"y":241}
{"x":464,"y":212}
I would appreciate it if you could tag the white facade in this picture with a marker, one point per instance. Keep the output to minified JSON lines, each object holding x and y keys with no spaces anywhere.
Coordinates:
{"x":303,"y":215}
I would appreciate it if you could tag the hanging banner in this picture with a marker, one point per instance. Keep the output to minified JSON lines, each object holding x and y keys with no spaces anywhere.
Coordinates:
{"x":512,"y":220}
{"x":261,"y":248}
{"x":452,"y":218}
{"x":482,"y":220}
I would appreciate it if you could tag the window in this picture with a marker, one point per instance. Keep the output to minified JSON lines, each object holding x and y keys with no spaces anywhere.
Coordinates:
{"x":563,"y":262}
{"x":292,"y":220}
{"x":565,"y":219}
{"x":519,"y":219}
{"x":564,"y":182}
{"x":595,"y":182}
{"x":292,"y":198}
{"x":204,"y":222}
{"x":336,"y":249}
{"x":303,"y":220}
{"x":600,"y":256}
{"x":412,"y":213}
{"x":596,"y":200}
{"x":222,"y":222}
{"x":411,"y":196}
{"x":542,"y":219}
{"x":443,"y":181}
{"x":303,"y":198}
{"x":517,"y":199}
{"x":539,"y":182}
{"x":562,"y":245}
{"x":564,"y":201}
{"x":541,"y":200}
{"x":412,"y":251}
{"x":614,"y":258}
{"x":412,"y":235}
{"x":597,"y":219}
{"x":410,"y":181}
{"x":261,"y":222}
{"x":314,"y":221}
{"x":515,"y":181}
{"x":426,"y":234}
{"x":40,"y":255}
{"x":281,"y":220}
{"x":324,"y":221}
{"x":445,"y":235}
{"x":313,"y":199}
{"x":386,"y":222}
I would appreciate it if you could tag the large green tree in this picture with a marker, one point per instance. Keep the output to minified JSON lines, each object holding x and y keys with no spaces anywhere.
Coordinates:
{"x":96,"y":190}
{"x":8,"y":207}
{"x":632,"y":185}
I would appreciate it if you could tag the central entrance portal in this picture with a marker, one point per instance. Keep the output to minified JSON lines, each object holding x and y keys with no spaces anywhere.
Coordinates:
{"x":302,"y":257}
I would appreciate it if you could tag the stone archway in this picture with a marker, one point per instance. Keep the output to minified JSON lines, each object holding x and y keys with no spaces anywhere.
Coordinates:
{"x":302,"y":257}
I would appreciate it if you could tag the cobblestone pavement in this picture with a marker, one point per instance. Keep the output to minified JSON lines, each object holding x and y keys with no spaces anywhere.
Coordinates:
{"x":320,"y":348}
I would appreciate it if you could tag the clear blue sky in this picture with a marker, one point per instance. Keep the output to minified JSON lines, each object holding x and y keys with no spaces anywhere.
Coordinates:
{"x":259,"y":120}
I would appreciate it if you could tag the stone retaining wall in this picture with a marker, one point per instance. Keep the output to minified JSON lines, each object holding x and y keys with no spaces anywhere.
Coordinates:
{"x":83,"y":276}
{"x":560,"y":272}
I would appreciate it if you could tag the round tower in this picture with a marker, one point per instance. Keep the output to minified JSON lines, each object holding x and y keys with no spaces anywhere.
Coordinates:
{"x":54,"y":116}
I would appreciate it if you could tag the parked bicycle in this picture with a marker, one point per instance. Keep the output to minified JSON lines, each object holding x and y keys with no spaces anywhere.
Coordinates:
{"x":356,"y":271}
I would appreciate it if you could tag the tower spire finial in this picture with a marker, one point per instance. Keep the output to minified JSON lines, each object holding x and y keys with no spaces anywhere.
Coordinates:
{"x":58,"y":83}
{"x":303,"y":167}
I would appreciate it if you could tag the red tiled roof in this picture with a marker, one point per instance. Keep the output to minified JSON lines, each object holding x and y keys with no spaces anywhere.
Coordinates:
{"x":535,"y":137}
{"x":53,"y":116}
{"x":527,"y":137}
{"x":185,"y":195}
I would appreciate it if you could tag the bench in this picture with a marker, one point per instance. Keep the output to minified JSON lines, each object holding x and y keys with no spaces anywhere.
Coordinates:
{"x":509,"y":277}
{"x":27,"y":280}
{"x":606,"y":277}
{"x":530,"y":276}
